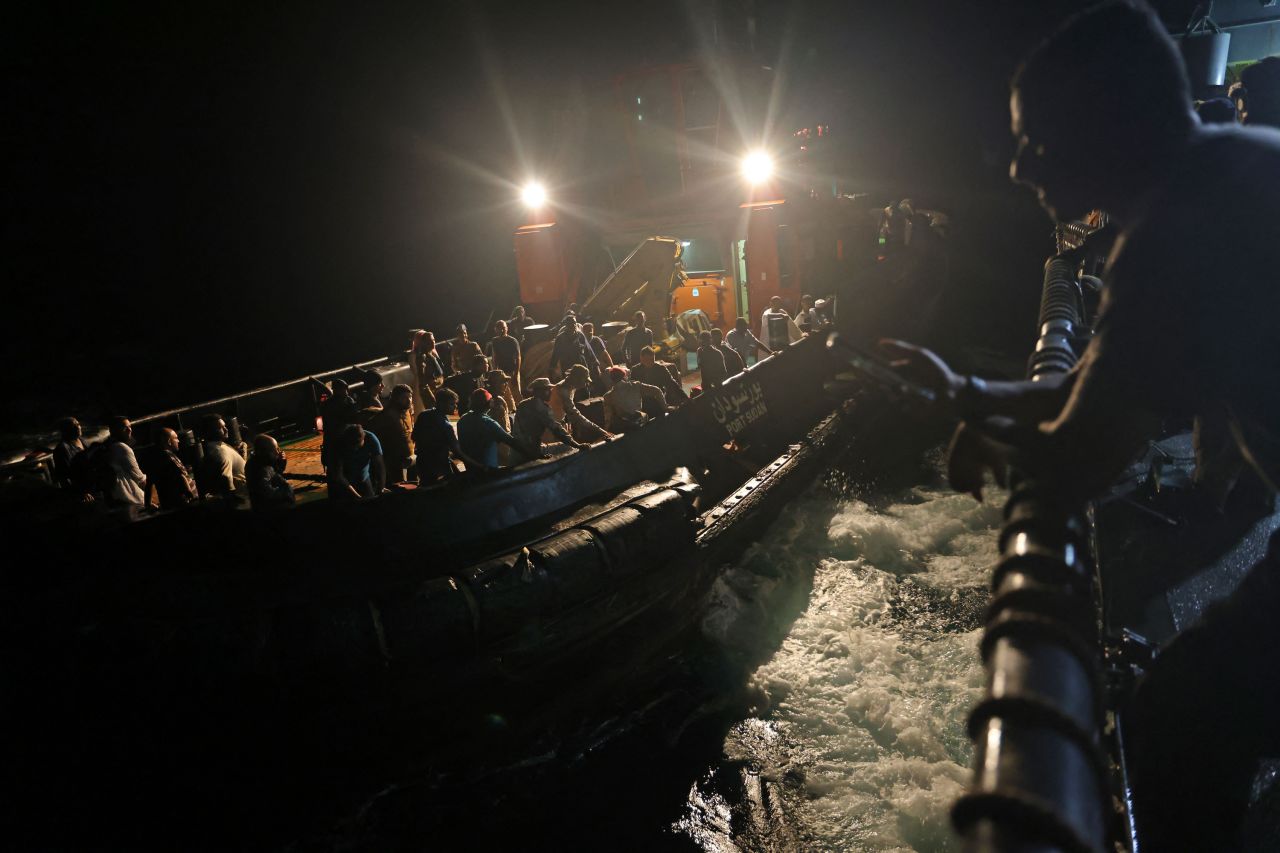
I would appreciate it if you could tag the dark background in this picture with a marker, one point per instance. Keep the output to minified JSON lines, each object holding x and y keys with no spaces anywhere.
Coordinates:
{"x":205,"y":198}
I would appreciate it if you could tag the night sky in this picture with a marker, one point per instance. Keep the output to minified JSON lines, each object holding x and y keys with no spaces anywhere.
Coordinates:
{"x":201,"y":199}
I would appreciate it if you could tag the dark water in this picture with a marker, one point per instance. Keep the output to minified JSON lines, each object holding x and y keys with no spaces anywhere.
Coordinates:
{"x":822,"y":707}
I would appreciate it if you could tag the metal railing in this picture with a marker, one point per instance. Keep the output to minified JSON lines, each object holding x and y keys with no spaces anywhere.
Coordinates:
{"x":1040,"y":779}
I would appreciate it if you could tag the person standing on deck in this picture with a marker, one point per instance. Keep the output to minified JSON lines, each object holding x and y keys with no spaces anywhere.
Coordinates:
{"x":394,"y":423}
{"x":504,"y":354}
{"x":427,"y":368}
{"x":733,"y":363}
{"x":637,"y":338}
{"x":710,"y":362}
{"x":743,"y":342}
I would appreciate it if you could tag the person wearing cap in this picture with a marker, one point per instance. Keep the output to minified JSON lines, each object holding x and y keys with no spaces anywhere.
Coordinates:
{"x":480,"y":434}
{"x":624,"y":402}
{"x":534,"y":418}
{"x":743,"y":342}
{"x":637,"y":338}
{"x":504,"y":356}
{"x":498,"y":383}
{"x":394,"y":426}
{"x":565,"y":408}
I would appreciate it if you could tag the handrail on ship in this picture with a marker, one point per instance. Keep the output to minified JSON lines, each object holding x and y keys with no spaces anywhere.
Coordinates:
{"x":1040,"y":776}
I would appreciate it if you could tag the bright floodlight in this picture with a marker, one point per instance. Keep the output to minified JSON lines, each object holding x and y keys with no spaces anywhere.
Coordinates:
{"x":757,"y":167}
{"x":534,"y":195}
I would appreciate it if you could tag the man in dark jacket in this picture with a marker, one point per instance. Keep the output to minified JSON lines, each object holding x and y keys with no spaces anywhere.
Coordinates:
{"x":710,"y":362}
{"x":1101,"y":115}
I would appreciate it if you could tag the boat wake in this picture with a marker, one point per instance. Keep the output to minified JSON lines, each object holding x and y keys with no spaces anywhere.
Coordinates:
{"x":856,"y":738}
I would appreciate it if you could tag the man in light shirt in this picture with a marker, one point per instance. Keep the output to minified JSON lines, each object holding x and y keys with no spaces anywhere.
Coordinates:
{"x":128,"y":485}
{"x":222,"y":468}
{"x":624,"y":402}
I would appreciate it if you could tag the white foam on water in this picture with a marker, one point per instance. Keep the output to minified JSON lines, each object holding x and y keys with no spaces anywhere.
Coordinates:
{"x":860,"y":720}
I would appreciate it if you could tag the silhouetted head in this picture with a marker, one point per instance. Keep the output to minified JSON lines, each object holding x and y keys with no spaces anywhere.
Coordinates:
{"x":401,"y":398}
{"x":1216,"y":111}
{"x":518,"y":314}
{"x":500,"y":327}
{"x":213,"y":428}
{"x":373,"y":382}
{"x":446,"y":401}
{"x":338,"y":387}
{"x":775,"y":302}
{"x":648,"y":356}
{"x":461,"y":332}
{"x":353,"y":436}
{"x":1261,"y":83}
{"x":70,"y":429}
{"x":806,"y":301}
{"x":265,"y":448}
{"x":717,"y":336}
{"x":541,"y":388}
{"x":1098,"y":109}
{"x":162,"y":436}
{"x":121,"y":429}
{"x":617,"y":373}
{"x":637,"y":319}
{"x":578,"y":376}
{"x":741,"y":324}
{"x":589,"y":329}
{"x":704,"y":338}
{"x":479,"y":401}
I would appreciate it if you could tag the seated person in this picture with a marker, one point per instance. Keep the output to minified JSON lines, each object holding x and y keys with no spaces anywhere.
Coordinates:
{"x":653,"y":372}
{"x":124,"y":479}
{"x":394,"y":424}
{"x":69,"y":465}
{"x":268,"y":489}
{"x":624,"y":402}
{"x":359,"y":473}
{"x":534,"y":417}
{"x":480,"y":434}
{"x":566,"y":409}
{"x":221,"y":470}
{"x":167,"y":474}
{"x":434,"y":439}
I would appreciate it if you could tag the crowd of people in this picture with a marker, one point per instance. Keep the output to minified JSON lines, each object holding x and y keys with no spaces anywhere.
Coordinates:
{"x":372,"y":440}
